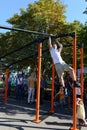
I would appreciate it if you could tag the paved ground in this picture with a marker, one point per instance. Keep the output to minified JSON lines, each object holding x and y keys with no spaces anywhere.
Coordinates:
{"x":20,"y":115}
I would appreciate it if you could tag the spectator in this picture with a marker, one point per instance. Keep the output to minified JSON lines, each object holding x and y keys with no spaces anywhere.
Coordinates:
{"x":19,"y":86}
{"x":80,"y":112}
{"x":61,"y":96}
{"x":31,"y":87}
{"x":56,"y":84}
{"x":68,"y":86}
{"x":2,"y":86}
{"x":9,"y":85}
{"x":78,"y":90}
{"x":25,"y":85}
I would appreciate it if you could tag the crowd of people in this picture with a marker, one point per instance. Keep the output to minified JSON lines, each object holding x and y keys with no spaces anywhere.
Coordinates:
{"x":24,"y":86}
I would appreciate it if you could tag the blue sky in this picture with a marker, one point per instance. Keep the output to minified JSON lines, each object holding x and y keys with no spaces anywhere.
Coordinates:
{"x":74,"y":9}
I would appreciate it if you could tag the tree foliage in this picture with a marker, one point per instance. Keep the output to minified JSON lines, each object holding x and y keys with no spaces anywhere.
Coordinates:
{"x":46,"y":16}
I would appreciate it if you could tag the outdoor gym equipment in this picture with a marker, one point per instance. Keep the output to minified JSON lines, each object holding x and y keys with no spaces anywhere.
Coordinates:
{"x":73,"y":35}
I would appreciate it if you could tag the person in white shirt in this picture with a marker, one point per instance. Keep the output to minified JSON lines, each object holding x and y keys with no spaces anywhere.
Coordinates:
{"x":60,"y":64}
{"x":19,"y":87}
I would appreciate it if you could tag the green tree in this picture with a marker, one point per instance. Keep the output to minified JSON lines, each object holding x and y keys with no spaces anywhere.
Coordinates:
{"x":45,"y":16}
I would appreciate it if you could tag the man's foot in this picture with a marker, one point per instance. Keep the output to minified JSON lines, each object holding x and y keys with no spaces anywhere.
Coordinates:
{"x":76,"y":84}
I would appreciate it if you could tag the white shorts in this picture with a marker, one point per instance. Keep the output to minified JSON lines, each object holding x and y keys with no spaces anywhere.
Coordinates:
{"x":61,"y":67}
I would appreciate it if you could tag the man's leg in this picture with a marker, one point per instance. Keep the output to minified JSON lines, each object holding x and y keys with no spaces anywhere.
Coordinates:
{"x":60,"y":73}
{"x":62,"y":81}
{"x":32,"y":96}
{"x":29,"y":94}
{"x":73,"y":76}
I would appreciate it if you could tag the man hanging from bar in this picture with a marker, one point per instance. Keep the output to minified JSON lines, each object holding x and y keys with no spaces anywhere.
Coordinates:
{"x":60,"y":64}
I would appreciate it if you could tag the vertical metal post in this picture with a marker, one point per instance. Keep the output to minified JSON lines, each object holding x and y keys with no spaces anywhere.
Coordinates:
{"x":81,"y":73}
{"x":52,"y":92}
{"x":37,"y":120}
{"x":74,"y":89}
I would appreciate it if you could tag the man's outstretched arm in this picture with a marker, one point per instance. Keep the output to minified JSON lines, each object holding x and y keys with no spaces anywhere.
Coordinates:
{"x":49,"y":43}
{"x":60,"y":45}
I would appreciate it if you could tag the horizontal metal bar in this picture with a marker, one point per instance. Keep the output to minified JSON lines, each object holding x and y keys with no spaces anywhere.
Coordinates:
{"x":38,"y":33}
{"x":64,"y":35}
{"x":39,"y":40}
{"x":25,"y":58}
{"x":18,"y":49}
{"x":23,"y":30}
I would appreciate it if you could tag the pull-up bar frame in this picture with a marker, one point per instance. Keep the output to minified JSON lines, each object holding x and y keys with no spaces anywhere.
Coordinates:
{"x":38,"y":33}
{"x":39,"y":67}
{"x":22,"y":30}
